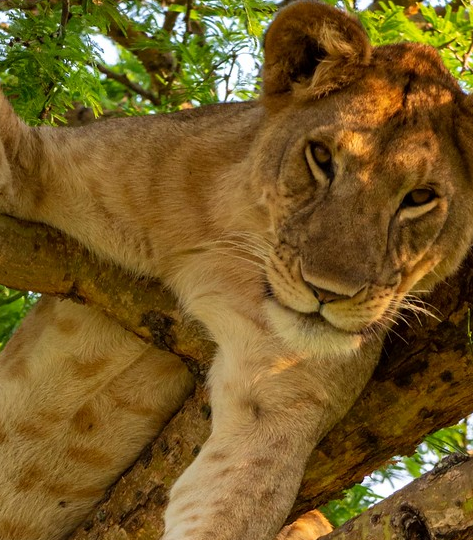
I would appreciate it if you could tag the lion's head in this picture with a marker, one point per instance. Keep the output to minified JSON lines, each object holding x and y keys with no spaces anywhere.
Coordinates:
{"x":366,"y":169}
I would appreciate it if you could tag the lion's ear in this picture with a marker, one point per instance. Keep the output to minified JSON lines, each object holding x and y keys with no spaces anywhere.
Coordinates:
{"x":314,"y":47}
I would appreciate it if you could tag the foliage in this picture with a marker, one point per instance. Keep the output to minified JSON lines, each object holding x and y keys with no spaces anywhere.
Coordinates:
{"x":13,"y":307}
{"x":356,"y":500}
{"x":399,"y":471}
{"x":49,"y":60}
{"x":141,"y":56}
{"x":450,"y":34}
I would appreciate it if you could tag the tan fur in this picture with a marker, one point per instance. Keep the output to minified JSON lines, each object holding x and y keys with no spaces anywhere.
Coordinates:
{"x":296,"y":272}
{"x":309,"y":526}
{"x":77,"y":413}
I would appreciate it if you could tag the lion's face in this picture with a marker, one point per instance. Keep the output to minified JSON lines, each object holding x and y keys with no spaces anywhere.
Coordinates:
{"x":370,"y":198}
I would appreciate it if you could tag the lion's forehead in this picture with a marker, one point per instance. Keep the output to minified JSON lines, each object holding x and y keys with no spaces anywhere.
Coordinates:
{"x":390,"y":141}
{"x":378,"y":104}
{"x":407,"y":84}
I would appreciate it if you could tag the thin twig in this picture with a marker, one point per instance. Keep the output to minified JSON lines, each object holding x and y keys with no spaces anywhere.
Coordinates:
{"x":65,"y":13}
{"x":60,"y":36}
{"x":171,"y":16}
{"x":134,"y":87}
{"x":187,"y":17}
{"x":11,"y":299}
{"x":227,"y":77}
{"x":43,"y":113}
{"x":466,"y":57}
{"x":462,"y":60}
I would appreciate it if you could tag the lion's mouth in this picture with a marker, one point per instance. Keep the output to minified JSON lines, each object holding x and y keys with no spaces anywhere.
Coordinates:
{"x":317,"y":321}
{"x":314,"y":321}
{"x":354,"y":316}
{"x":310,"y":333}
{"x":268,"y":291}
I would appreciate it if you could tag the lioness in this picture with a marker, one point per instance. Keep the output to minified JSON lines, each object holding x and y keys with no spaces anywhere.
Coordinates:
{"x":291,"y":227}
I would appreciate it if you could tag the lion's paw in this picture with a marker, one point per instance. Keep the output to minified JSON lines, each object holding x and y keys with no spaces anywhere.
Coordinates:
{"x":310,"y":526}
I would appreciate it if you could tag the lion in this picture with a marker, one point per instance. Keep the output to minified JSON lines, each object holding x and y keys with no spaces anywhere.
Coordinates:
{"x":291,"y":227}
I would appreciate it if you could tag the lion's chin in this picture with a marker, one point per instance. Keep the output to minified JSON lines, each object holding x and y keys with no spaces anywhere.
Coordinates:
{"x":310,"y":333}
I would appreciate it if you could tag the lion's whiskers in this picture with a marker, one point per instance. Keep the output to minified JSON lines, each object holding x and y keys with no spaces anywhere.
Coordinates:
{"x":386,"y":329}
{"x":413,"y":304}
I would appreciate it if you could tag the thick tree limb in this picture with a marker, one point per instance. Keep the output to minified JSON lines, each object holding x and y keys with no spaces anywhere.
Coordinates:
{"x":437,"y":506}
{"x":423,"y":382}
{"x":35,"y":257}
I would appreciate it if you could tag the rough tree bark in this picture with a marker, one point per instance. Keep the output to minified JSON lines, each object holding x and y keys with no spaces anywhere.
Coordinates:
{"x":423,"y":381}
{"x":438,"y":506}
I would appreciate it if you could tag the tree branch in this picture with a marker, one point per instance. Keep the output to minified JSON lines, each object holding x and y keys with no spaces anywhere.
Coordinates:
{"x":36,"y":257}
{"x":412,"y":9}
{"x":171,"y":16}
{"x":418,"y":511}
{"x":160,"y":65}
{"x":5,"y":5}
{"x":134,"y":87}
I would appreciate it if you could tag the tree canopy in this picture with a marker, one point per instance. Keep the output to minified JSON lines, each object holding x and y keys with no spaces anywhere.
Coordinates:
{"x":141,"y":56}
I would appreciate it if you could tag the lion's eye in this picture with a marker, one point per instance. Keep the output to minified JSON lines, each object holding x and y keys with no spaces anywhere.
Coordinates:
{"x":418,"y":197}
{"x":322,"y":158}
{"x":321,"y":154}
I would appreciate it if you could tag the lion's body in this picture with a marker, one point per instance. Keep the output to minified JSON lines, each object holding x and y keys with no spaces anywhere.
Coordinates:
{"x":80,"y":398}
{"x":291,"y":227}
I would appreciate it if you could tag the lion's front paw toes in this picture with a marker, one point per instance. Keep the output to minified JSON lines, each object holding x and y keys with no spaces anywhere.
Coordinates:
{"x":310,"y":526}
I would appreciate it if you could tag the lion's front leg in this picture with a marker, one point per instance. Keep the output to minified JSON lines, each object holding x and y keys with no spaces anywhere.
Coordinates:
{"x":244,"y":481}
{"x":268,"y":414}
{"x":240,"y":493}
